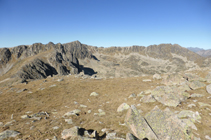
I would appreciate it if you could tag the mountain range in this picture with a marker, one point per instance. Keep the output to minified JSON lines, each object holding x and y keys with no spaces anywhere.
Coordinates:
{"x":29,"y":62}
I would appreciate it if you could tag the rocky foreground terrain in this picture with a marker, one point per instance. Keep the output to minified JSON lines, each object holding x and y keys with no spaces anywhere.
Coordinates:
{"x":76,"y":91}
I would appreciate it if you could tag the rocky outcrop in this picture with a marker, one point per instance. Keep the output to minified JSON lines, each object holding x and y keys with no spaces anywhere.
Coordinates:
{"x":45,"y":60}
{"x":106,"y":62}
{"x":157,"y":124}
{"x":36,"y":69}
{"x":5,"y":56}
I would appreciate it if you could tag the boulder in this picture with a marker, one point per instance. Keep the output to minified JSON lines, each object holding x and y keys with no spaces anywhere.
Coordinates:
{"x":70,"y":133}
{"x":133,"y":95}
{"x":73,"y":112}
{"x":196,"y":95}
{"x":208,"y":88}
{"x":193,"y":116}
{"x":173,"y":79}
{"x":157,"y":76}
{"x":94,"y":94}
{"x":138,"y":125}
{"x":79,"y":134}
{"x":147,"y":99}
{"x":68,"y":121}
{"x":8,"y":134}
{"x":130,"y":136}
{"x":123,"y":107}
{"x":196,"y":85}
{"x":156,"y":125}
{"x":192,"y":77}
{"x":169,"y":95}
{"x":24,"y":116}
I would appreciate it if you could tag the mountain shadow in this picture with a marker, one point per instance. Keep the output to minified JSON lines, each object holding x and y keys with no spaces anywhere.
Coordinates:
{"x":87,"y":70}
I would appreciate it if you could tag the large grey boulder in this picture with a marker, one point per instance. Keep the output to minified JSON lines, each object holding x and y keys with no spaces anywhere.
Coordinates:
{"x":157,"y":125}
{"x":169,"y":95}
{"x":8,"y":134}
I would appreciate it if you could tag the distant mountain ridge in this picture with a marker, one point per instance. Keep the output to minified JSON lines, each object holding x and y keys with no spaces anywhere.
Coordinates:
{"x":195,"y":49}
{"x":41,"y":60}
{"x":200,"y":51}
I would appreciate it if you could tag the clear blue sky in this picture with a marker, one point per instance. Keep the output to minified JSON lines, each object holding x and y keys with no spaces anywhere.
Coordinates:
{"x":106,"y":22}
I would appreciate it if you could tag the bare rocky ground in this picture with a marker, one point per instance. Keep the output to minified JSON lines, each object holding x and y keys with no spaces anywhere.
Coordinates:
{"x":65,"y":107}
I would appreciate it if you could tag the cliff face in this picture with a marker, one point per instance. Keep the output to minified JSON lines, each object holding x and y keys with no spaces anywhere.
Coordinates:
{"x":40,"y":60}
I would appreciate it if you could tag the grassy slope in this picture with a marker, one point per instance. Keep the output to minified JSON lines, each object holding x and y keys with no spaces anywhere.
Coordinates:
{"x":61,"y":98}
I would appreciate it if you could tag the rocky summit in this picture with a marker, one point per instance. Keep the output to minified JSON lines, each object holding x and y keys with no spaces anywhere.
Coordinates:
{"x":82,"y":92}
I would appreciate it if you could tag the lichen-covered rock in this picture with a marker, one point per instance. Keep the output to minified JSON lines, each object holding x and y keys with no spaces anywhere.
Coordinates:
{"x":193,"y":116}
{"x":208,"y":88}
{"x":147,"y":99}
{"x":157,"y":124}
{"x":196,"y":85}
{"x":169,"y":96}
{"x":72,"y":132}
{"x":8,"y":134}
{"x":123,"y":107}
{"x":173,"y":79}
{"x":138,"y":125}
{"x":130,"y":136}
{"x":196,"y":95}
{"x":163,"y":125}
{"x":77,"y":133}
{"x":192,"y":77}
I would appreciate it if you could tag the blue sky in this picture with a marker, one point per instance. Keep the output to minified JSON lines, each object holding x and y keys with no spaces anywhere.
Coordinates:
{"x":106,"y":22}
